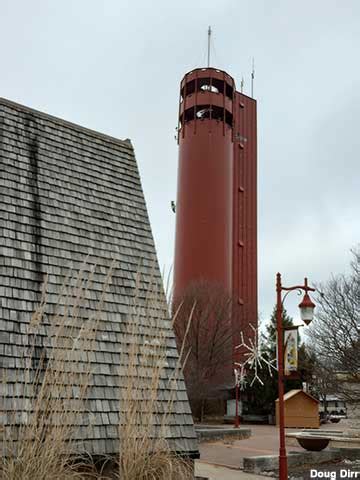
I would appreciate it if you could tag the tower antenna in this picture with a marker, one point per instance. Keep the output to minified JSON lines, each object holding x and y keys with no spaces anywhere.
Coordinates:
{"x":209,"y":36}
{"x":252,"y":77}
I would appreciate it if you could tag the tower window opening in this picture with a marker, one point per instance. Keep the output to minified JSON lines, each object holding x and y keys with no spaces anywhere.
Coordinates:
{"x":206,"y":84}
{"x":228,"y":118}
{"x":203,"y":113}
{"x":189,"y":115}
{"x":208,"y":111}
{"x":210,"y":85}
{"x":229,"y":91}
{"x":209,"y":88}
{"x":189,"y":88}
{"x":203,"y":83}
{"x":219,"y":84}
{"x":218,"y":113}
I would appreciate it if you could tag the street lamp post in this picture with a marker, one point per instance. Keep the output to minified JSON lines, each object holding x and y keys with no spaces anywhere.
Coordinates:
{"x":237,"y":387}
{"x":237,"y":419}
{"x":306,"y":310}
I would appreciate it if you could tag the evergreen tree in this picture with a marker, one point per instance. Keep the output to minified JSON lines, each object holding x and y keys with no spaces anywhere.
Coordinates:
{"x":261,"y":398}
{"x":271,"y":329}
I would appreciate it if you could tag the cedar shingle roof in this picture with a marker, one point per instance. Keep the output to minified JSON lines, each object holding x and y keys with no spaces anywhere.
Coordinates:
{"x":293,"y":393}
{"x":68,"y":192}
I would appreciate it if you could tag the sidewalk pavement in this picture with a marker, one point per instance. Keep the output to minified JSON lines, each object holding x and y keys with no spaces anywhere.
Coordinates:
{"x":222,"y":460}
{"x":217,"y":472}
{"x":264,"y":440}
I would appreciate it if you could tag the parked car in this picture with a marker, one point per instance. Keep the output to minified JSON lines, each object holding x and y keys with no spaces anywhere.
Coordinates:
{"x":336,"y":417}
{"x":324,"y":417}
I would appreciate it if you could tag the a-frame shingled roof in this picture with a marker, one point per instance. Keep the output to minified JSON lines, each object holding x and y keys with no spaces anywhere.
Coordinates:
{"x":293,"y":393}
{"x":67,"y":192}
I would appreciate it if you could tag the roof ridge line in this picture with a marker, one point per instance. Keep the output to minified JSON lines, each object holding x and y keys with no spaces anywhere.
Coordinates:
{"x":10,"y":103}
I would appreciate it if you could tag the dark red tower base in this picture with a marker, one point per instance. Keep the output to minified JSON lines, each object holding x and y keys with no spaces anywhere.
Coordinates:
{"x":216,"y":212}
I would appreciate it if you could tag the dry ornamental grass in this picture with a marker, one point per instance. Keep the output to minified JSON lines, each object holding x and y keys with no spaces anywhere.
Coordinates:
{"x":48,"y":395}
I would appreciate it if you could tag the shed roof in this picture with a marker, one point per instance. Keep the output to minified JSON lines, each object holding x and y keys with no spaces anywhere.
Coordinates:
{"x":68,"y":193}
{"x":293,"y":393}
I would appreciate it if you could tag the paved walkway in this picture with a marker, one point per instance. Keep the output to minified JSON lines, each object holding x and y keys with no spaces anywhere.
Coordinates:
{"x":222,"y":460}
{"x":216,"y":472}
{"x":264,"y":440}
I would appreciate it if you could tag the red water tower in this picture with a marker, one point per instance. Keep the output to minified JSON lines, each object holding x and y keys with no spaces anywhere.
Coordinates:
{"x":216,"y":212}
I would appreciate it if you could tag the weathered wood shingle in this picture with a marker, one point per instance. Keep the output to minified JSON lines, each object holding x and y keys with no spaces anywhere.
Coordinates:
{"x":68,"y":193}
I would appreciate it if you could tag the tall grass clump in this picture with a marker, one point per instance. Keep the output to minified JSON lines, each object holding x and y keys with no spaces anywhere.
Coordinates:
{"x":145,"y":407}
{"x":44,"y":398}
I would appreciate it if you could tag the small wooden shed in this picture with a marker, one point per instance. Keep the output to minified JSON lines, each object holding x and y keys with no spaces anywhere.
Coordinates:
{"x":301,"y":410}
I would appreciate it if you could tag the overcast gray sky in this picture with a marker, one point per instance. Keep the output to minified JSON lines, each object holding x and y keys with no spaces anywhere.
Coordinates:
{"x":115,"y":66}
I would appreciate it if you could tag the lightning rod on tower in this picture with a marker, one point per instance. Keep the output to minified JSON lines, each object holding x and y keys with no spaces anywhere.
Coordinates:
{"x":209,"y":36}
{"x":252,"y":77}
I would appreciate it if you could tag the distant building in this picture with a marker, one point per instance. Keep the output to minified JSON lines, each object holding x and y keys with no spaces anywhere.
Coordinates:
{"x":333,"y":404}
{"x":67,"y":193}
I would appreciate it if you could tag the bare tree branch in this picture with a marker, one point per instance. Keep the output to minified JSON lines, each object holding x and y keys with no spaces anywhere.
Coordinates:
{"x":335,"y":332}
{"x":208,"y":371}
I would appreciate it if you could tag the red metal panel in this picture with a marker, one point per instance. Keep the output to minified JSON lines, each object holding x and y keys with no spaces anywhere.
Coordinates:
{"x":204,"y":207}
{"x":245,"y":215}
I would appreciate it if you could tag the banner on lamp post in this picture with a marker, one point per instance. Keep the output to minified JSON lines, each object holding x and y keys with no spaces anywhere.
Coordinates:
{"x":290,"y":350}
